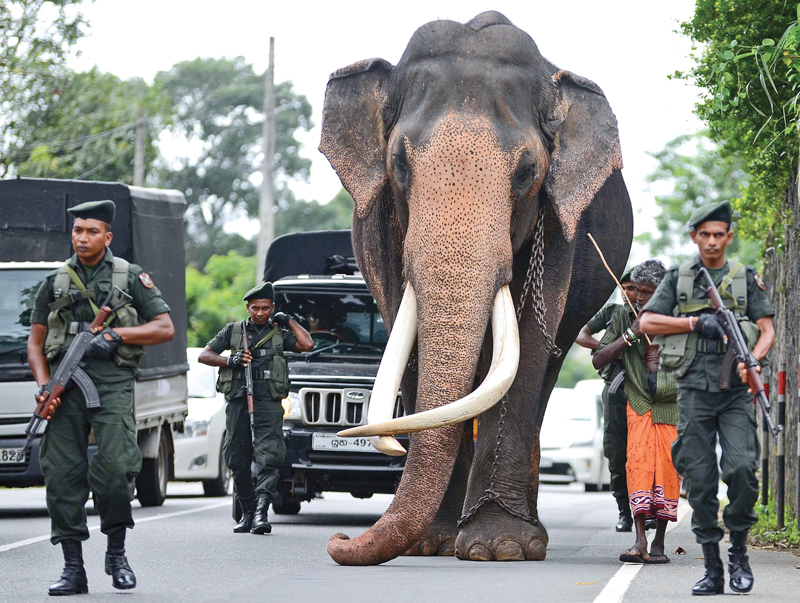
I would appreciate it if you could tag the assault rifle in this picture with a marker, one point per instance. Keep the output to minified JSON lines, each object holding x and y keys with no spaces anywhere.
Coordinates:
{"x":738,"y":350}
{"x":248,"y":384}
{"x":70,"y":369}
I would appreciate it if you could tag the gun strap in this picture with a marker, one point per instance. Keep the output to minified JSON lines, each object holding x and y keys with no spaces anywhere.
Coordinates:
{"x":79,"y":284}
{"x":267,"y":337}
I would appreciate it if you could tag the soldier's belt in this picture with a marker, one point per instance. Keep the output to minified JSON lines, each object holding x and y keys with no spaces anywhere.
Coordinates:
{"x":259,"y":353}
{"x":260,"y":375}
{"x":707,"y":346}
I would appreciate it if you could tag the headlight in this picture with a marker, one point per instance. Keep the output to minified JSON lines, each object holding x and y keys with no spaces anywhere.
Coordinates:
{"x":291,"y":407}
{"x":193,"y":428}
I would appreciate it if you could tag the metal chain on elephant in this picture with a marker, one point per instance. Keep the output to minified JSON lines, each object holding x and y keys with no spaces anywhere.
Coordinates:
{"x":533,"y":277}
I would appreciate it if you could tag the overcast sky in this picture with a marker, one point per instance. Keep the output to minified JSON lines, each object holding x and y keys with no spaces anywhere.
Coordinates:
{"x":628,"y":47}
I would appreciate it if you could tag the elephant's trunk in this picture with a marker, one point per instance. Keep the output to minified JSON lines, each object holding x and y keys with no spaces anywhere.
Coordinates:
{"x":450,"y":334}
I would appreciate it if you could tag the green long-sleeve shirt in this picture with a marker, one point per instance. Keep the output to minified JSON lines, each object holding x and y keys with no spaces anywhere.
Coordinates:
{"x":664,"y":404}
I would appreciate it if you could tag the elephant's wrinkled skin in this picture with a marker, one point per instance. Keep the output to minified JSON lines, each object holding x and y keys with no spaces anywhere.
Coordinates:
{"x":448,"y":156}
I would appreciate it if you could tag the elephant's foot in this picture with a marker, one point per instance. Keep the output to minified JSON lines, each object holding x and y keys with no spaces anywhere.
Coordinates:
{"x":440,"y":539}
{"x":494,"y":535}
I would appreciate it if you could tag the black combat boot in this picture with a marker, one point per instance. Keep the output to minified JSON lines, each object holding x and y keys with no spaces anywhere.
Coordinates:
{"x":713,"y":582}
{"x":739,"y":572}
{"x":73,"y":578}
{"x":625,"y":523}
{"x":117,"y":567}
{"x":261,"y":523}
{"x":246,"y":521}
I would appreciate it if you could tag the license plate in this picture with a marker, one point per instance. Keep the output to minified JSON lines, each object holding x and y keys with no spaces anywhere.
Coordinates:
{"x":8,"y":456}
{"x":545,"y":463}
{"x":329,"y":441}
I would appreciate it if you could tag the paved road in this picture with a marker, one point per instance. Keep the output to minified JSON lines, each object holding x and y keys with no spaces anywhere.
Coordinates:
{"x":185,"y":551}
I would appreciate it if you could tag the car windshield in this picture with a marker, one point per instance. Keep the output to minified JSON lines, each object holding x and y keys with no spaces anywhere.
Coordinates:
{"x":201,"y":380}
{"x":340,"y":323}
{"x":17,"y":292}
{"x":570,"y":405}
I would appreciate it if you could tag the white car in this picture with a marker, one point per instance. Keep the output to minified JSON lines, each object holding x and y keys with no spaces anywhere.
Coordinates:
{"x":571,"y":439}
{"x":198,"y":450}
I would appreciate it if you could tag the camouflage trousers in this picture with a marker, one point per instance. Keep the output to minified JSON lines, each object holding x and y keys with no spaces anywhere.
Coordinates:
{"x":111,"y":473}
{"x":268,"y":452}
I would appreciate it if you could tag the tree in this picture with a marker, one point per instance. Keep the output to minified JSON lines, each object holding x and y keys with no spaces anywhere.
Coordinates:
{"x":695,"y":173}
{"x":214,"y":299}
{"x":218,"y":104}
{"x":299,"y":216}
{"x":748,"y":68}
{"x":86,"y":129}
{"x":35,"y":39}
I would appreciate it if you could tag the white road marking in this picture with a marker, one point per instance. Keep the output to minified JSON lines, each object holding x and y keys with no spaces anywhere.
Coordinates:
{"x":618,"y":585}
{"x":21,"y":543}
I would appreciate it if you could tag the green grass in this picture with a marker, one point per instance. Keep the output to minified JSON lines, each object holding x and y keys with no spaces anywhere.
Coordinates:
{"x":765,"y":532}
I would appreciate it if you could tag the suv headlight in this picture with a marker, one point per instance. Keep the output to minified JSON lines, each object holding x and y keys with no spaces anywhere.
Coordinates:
{"x":291,"y":407}
{"x":193,"y":428}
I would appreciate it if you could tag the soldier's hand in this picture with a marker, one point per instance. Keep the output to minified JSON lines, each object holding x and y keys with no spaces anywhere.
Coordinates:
{"x":104,"y":344}
{"x":281,"y":319}
{"x":709,"y":328}
{"x":743,"y":374}
{"x":52,"y":404}
{"x":239,"y":359}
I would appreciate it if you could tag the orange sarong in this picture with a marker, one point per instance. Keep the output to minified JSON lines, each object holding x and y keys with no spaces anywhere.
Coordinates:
{"x":653,"y":484}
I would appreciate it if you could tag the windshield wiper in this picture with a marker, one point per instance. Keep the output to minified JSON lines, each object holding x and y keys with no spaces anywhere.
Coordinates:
{"x":341,"y":345}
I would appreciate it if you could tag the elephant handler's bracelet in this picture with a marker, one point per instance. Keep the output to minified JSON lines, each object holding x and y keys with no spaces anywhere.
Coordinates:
{"x":632,"y":335}
{"x":625,"y":338}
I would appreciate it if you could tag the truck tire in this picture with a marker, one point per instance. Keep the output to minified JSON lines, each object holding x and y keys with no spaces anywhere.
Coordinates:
{"x":151,"y":485}
{"x":219,"y":485}
{"x":286,"y":506}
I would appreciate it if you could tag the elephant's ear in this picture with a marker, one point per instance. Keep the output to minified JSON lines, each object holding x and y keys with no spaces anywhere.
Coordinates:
{"x":586,"y":148}
{"x":352,"y":130}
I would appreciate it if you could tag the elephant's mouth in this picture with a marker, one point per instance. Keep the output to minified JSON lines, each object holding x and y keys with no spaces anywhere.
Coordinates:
{"x":505,"y":359}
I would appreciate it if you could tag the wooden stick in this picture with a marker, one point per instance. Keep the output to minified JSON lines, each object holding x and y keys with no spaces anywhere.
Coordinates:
{"x":624,"y":296}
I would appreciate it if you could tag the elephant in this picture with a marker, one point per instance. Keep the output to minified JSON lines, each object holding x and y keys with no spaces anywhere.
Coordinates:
{"x":477,"y":168}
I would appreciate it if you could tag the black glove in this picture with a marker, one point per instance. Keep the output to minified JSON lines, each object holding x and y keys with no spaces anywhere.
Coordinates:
{"x":100,"y":347}
{"x":709,"y":328}
{"x":281,"y":319}
{"x":236,"y":361}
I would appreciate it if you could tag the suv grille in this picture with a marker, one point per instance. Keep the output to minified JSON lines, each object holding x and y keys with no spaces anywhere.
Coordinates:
{"x":338,"y":407}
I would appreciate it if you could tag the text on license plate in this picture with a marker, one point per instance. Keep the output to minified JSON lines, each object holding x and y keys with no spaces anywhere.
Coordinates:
{"x":8,"y":455}
{"x":329,"y":441}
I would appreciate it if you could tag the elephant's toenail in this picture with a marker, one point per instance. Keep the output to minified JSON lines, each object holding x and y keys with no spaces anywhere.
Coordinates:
{"x":447,"y":547}
{"x":536,"y":551}
{"x":508,"y":550}
{"x":478,"y":552}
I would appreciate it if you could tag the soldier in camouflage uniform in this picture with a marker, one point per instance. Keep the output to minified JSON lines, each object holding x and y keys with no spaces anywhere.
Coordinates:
{"x":267,"y":339}
{"x":693,"y":348}
{"x":615,"y":422}
{"x":66,"y":301}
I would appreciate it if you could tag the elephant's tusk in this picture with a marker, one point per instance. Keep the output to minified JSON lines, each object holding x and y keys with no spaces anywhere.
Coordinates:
{"x":390,"y":373}
{"x":505,"y":360}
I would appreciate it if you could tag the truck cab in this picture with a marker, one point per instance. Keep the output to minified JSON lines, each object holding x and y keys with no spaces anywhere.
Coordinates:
{"x":332,"y":384}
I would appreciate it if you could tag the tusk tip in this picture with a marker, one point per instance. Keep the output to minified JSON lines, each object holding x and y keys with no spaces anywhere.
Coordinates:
{"x":388,"y":445}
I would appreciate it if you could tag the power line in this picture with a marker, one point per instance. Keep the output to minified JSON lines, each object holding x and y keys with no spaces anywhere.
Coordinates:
{"x":102,"y":165}
{"x":80,"y":139}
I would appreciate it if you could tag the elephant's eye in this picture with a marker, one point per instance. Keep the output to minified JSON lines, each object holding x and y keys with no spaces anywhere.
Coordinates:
{"x":523,"y":178}
{"x":400,"y":170}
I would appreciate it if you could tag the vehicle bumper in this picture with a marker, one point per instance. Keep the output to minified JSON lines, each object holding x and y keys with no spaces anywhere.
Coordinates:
{"x":28,"y":473}
{"x":567,"y":465}
{"x":196,"y":458}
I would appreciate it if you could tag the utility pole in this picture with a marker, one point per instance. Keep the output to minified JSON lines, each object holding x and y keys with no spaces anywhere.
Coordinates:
{"x":138,"y":153}
{"x":267,"y":200}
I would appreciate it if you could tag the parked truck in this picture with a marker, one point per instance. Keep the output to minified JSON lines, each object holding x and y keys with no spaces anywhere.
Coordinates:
{"x":317,"y":282}
{"x":34,"y":240}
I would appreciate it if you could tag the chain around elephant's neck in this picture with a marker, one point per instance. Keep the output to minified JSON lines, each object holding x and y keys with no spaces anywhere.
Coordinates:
{"x":535,"y":277}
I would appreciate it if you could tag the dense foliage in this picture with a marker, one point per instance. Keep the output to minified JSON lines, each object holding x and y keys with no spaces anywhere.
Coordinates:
{"x":747,"y":68}
{"x":691,"y":173}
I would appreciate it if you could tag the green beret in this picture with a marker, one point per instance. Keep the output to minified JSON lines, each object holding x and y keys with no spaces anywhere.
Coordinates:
{"x":712,"y":212}
{"x":626,"y":276}
{"x":95,"y":210}
{"x":262,"y":291}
